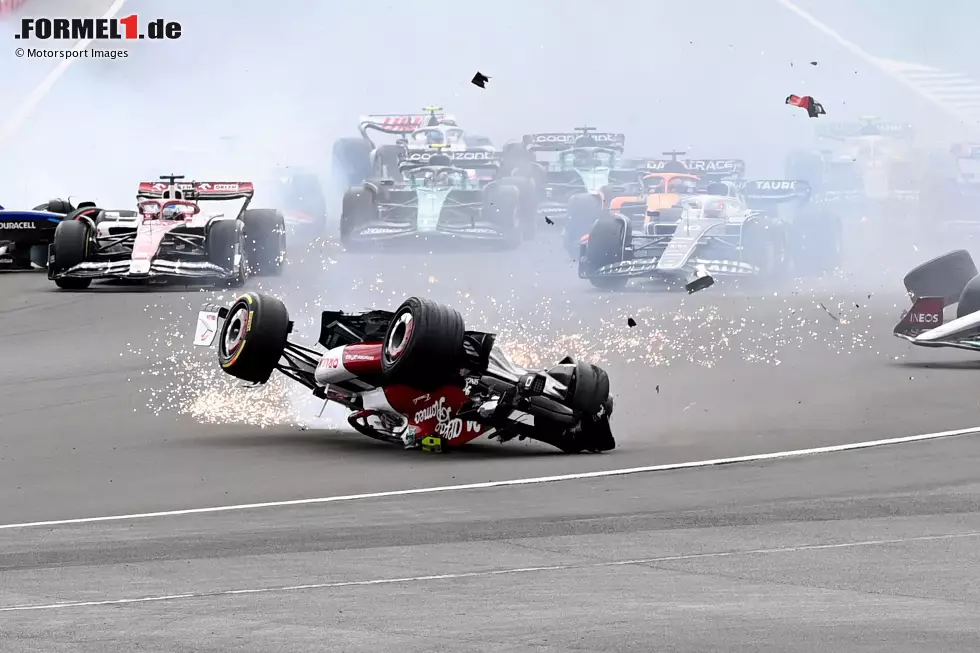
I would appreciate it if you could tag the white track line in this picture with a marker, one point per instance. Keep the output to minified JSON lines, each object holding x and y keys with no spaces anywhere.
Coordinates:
{"x":518,"y":481}
{"x":481,"y":574}
{"x":901,"y":72}
{"x":25,"y":109}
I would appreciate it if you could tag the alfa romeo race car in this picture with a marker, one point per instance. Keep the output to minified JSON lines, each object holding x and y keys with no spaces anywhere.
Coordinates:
{"x":415,"y":377}
{"x":168,"y":238}
{"x":25,"y":235}
{"x":450,"y":195}
{"x":692,"y":233}
{"x":358,"y":159}
{"x":944,"y":281}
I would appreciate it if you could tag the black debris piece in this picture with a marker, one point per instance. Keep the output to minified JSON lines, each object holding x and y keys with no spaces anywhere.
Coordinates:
{"x":479,"y":79}
{"x":631,"y":322}
{"x":548,"y":220}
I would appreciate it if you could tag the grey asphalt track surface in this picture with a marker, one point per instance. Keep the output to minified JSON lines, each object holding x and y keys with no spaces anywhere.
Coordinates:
{"x":86,"y":434}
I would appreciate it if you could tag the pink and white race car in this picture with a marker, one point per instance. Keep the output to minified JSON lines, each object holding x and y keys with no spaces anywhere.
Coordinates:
{"x":170,"y":237}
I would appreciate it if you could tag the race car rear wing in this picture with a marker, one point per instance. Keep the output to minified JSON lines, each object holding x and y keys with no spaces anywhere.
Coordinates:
{"x":467,"y":159}
{"x":399,"y":123}
{"x":206,"y":190}
{"x":844,"y":130}
{"x":714,"y":168}
{"x":774,"y":191}
{"x":558,"y":141}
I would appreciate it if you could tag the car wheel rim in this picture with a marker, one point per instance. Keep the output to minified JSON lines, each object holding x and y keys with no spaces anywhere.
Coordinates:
{"x":400,"y":336}
{"x":235,"y":333}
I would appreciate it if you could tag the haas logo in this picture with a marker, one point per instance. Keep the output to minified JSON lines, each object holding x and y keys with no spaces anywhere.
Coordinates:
{"x":330,"y":363}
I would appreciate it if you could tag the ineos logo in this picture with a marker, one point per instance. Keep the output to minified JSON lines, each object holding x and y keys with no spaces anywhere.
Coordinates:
{"x":924,"y":318}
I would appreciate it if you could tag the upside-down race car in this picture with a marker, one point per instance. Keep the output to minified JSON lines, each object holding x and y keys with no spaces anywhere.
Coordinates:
{"x":415,"y":377}
{"x":944,"y":281}
{"x":168,"y":238}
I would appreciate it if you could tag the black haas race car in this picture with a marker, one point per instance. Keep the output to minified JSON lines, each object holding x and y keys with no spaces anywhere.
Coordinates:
{"x":415,"y":377}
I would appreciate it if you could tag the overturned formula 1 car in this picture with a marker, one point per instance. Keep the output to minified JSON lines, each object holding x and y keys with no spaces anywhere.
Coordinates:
{"x":415,"y":377}
{"x":944,"y":281}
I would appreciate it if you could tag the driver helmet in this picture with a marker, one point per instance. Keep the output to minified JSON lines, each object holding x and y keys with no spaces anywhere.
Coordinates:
{"x":583,"y":158}
{"x":435,"y":137}
{"x":171,"y":212}
{"x":442,"y":179}
{"x":680,"y":185}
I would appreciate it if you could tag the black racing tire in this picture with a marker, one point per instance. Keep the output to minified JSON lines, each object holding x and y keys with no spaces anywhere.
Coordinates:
{"x":359,"y":208}
{"x":969,"y":300}
{"x":56,"y":205}
{"x":423,"y":346}
{"x":265,"y":241}
{"x":945,"y":276}
{"x":527,"y":204}
{"x":253,"y":337}
{"x":501,"y":207}
{"x":69,"y":248}
{"x":351,"y":161}
{"x":606,"y":245}
{"x":589,"y":388}
{"x":584,"y":209}
{"x":224,"y":240}
{"x":817,"y":241}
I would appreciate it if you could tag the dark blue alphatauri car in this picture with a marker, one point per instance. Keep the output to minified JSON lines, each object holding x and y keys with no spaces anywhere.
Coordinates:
{"x":25,"y":235}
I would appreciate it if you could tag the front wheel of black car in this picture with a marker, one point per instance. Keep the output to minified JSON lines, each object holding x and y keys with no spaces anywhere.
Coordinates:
{"x":606,"y":245}
{"x":265,"y":240}
{"x":423,"y":346}
{"x":69,"y":248}
{"x":253,"y":337}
